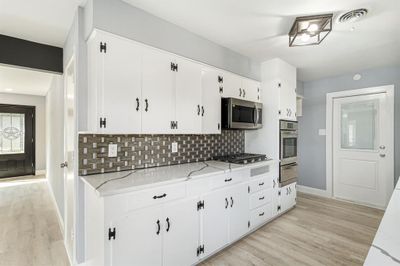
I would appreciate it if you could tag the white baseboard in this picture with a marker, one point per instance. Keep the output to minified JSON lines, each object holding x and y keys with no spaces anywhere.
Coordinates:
{"x":60,"y":220}
{"x":313,"y":191}
{"x":40,"y":172}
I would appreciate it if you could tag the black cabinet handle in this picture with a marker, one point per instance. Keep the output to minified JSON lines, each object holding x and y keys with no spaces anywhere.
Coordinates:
{"x":274,"y":183}
{"x":147,"y":105}
{"x":244,"y":93}
{"x":198,"y":109}
{"x":202,"y":111}
{"x":240,"y":92}
{"x":261,"y":198}
{"x":231,"y":202}
{"x":160,"y":196}
{"x":168,"y":224}
{"x":226,"y":203}
{"x":228,"y":180}
{"x":261,"y":214}
{"x":158,"y":227}
{"x":261,"y":184}
{"x":137,"y":104}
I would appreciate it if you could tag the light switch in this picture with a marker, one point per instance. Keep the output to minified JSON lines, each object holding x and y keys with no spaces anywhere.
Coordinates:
{"x":174,"y":147}
{"x":112,"y":150}
{"x":322,"y":132}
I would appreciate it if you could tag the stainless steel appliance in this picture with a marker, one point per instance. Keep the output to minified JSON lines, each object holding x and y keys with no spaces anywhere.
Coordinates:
{"x":242,"y":158}
{"x":288,"y":152}
{"x":240,"y":114}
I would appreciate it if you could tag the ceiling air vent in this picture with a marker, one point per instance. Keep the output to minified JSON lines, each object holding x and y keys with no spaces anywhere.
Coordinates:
{"x":353,"y":15}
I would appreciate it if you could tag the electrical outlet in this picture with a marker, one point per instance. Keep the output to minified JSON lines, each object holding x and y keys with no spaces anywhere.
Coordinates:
{"x":112,"y":150}
{"x":174,"y":147}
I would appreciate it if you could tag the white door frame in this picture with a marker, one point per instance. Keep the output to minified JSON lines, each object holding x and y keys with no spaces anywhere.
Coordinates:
{"x":389,"y":90}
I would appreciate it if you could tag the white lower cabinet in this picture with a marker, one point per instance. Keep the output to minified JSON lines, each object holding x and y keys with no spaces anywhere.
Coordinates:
{"x":238,"y":211}
{"x":287,"y":197}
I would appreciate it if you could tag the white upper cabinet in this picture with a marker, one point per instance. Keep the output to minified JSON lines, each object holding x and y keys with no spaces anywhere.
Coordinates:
{"x":241,"y":88}
{"x":287,"y":92}
{"x":211,"y":101}
{"x":189,"y":107}
{"x":251,"y":90}
{"x":158,"y":92}
{"x":115,"y":90}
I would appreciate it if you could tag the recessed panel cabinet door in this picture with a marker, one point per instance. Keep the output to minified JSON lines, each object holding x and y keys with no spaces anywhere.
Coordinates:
{"x":232,"y":86}
{"x":251,"y":90}
{"x":188,"y":97}
{"x":211,"y":102}
{"x":215,"y":221}
{"x":239,"y":211}
{"x":121,"y":86}
{"x":181,"y":232}
{"x":138,"y":239}
{"x":158,"y":92}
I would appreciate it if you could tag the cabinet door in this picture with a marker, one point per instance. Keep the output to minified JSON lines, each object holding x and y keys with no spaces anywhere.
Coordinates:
{"x":251,"y":90}
{"x":239,"y":215}
{"x":287,"y":104}
{"x":215,"y":219}
{"x":181,"y":232}
{"x":211,"y":102}
{"x":158,"y":93}
{"x":119,"y":85}
{"x":138,"y":239}
{"x":188,"y":97}
{"x":232,"y":86}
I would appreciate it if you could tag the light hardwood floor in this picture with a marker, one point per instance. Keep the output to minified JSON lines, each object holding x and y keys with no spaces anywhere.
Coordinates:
{"x":317,"y":231}
{"x":29,"y":230}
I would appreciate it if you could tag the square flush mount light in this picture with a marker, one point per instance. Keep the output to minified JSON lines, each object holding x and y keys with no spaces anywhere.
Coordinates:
{"x":310,"y":30}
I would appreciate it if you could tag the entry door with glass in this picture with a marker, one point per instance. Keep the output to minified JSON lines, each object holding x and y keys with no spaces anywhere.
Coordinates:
{"x":17,"y":140}
{"x":361,"y":169}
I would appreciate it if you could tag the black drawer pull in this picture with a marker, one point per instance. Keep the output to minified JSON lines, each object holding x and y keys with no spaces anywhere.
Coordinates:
{"x":261,"y":184}
{"x":261,"y":198}
{"x":226,"y":203}
{"x":261,"y":214}
{"x":168,"y":225}
{"x":158,"y":227}
{"x":159,"y":197}
{"x":228,"y":180}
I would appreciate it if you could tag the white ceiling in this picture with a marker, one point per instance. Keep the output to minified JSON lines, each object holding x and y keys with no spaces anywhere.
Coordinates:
{"x":43,"y":21}
{"x":258,"y":29}
{"x":24,"y":81}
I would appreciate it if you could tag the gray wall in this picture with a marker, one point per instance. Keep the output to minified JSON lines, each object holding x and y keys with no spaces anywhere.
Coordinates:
{"x":118,"y":17}
{"x":55,"y":141}
{"x":311,"y":145}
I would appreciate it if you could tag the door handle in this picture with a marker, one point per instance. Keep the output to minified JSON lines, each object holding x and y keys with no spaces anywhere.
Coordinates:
{"x":240,"y":92}
{"x":147,"y":105}
{"x":382,"y":147}
{"x":261,"y":214}
{"x":244,"y":93}
{"x":158,"y":227}
{"x":262,"y":198}
{"x":160,"y":196}
{"x":64,"y":165}
{"x":137,"y":104}
{"x":198,"y":109}
{"x":202,"y":111}
{"x":226,"y":203}
{"x":231,"y":202}
{"x":382,"y":155}
{"x":262,"y":184}
{"x":168,"y":224}
{"x":228,"y":180}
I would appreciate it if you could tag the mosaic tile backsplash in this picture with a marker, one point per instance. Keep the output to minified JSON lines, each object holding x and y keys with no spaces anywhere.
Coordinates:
{"x":143,"y":151}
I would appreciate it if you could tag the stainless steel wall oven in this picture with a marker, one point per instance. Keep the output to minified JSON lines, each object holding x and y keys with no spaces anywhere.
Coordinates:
{"x":288,"y":152}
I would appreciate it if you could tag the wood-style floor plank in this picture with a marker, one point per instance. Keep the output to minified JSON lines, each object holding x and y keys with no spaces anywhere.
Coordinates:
{"x":318,"y":231}
{"x":29,"y":231}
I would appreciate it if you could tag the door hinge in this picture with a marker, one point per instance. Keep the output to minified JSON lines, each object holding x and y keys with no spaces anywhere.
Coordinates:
{"x":103,"y":122}
{"x":221,"y":89}
{"x":248,"y":224}
{"x":219,"y":126}
{"x":174,"y":124}
{"x":220,"y":79}
{"x":103,"y":47}
{"x":279,"y":207}
{"x":111,"y":233}
{"x":174,"y":67}
{"x":279,"y":193}
{"x":200,"y":205}
{"x":279,"y":112}
{"x":200,"y":250}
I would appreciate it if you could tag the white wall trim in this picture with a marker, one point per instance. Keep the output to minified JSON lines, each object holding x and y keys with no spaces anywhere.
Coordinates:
{"x":40,"y":172}
{"x":389,"y":90}
{"x":60,"y":220}
{"x":313,"y":191}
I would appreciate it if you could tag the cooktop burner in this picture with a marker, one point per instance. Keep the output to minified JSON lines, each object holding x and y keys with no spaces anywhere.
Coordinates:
{"x":242,"y":158}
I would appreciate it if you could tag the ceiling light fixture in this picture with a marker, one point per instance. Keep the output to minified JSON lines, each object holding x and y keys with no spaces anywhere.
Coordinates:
{"x":310,"y":30}
{"x":8,"y":89}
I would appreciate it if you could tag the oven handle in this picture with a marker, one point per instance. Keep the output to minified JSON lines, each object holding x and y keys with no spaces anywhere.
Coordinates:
{"x":288,"y":166}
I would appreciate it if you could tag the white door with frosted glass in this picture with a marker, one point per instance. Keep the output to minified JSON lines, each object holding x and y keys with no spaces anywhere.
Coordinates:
{"x":361,"y":169}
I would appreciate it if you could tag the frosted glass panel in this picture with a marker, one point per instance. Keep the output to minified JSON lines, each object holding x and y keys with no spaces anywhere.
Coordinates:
{"x":12,"y":133}
{"x":358,"y":125}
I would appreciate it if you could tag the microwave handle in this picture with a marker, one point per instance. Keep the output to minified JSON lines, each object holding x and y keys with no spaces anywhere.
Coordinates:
{"x":255,"y":114}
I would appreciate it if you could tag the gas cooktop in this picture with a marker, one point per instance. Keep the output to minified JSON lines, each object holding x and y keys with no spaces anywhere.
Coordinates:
{"x":242,"y":158}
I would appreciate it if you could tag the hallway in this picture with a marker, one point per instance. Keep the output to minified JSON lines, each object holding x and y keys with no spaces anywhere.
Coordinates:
{"x":29,"y":232}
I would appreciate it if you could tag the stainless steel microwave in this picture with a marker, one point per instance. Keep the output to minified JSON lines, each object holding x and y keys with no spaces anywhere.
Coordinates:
{"x":240,"y":114}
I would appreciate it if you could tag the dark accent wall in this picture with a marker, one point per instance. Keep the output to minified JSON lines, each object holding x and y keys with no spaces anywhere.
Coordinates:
{"x":144,"y":151}
{"x":22,"y":53}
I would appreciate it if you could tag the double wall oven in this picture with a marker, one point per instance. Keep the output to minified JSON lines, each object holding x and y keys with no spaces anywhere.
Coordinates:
{"x":288,"y":152}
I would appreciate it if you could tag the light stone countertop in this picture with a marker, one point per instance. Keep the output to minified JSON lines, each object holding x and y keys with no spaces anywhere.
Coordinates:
{"x":385,"y":249}
{"x":127,"y":181}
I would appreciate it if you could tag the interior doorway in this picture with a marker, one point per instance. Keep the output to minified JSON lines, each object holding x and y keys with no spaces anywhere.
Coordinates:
{"x":17,"y":140}
{"x":360,"y":159}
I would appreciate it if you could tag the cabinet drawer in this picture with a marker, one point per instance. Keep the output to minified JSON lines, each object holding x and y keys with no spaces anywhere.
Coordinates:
{"x":155,"y":196}
{"x":260,"y":184}
{"x":260,"y":215}
{"x":229,"y":179}
{"x":260,"y":198}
